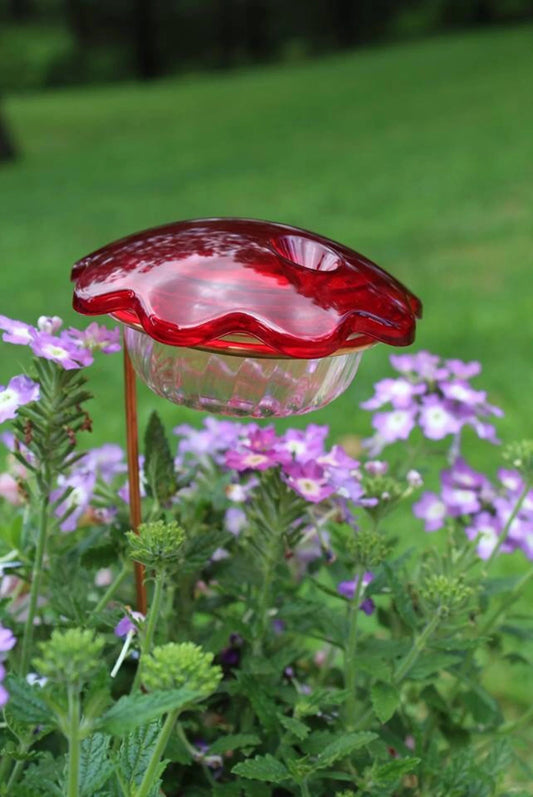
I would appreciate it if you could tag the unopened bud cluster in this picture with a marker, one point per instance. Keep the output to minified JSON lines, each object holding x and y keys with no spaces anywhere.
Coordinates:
{"x":71,"y":656}
{"x":520,"y":456}
{"x":157,"y":545}
{"x":175,"y":665}
{"x":368,"y":548}
{"x":446,"y":594}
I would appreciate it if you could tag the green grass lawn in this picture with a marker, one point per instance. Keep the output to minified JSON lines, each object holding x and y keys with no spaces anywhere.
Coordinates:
{"x":418,"y":155}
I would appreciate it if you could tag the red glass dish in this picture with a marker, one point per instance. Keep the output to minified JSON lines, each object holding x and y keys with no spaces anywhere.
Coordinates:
{"x":246,"y":287}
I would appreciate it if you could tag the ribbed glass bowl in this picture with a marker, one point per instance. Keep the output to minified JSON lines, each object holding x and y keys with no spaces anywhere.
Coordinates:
{"x":239,"y":386}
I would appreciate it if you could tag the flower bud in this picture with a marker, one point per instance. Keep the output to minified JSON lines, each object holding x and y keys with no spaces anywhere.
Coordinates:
{"x":158,"y":545}
{"x":174,"y":665}
{"x":70,"y":657}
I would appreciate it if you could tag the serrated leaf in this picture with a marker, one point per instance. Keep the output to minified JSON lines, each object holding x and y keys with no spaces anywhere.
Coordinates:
{"x":374,"y":665}
{"x":320,"y":698}
{"x":131,"y":711}
{"x":44,"y":779}
{"x":482,"y":706}
{"x":389,"y":773}
{"x":95,"y":766}
{"x":26,"y":704}
{"x":265,"y":768}
{"x":385,"y":700}
{"x":342,"y":747}
{"x":431,"y":663}
{"x":294,"y":726}
{"x":159,"y":470}
{"x":135,"y":752}
{"x":233,"y":741}
{"x":402,"y":599}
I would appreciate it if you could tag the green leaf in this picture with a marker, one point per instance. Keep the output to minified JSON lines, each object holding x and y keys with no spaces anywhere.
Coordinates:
{"x":374,"y":665}
{"x":233,"y":741}
{"x":159,"y":470}
{"x":26,"y":704}
{"x":342,"y":747}
{"x":482,"y":706}
{"x":391,"y":772}
{"x":385,"y":700}
{"x":131,"y":711}
{"x":95,"y":766}
{"x":294,"y":726}
{"x":265,"y":768}
{"x":432,"y":663}
{"x":44,"y":779}
{"x":135,"y":752}
{"x":402,"y":599}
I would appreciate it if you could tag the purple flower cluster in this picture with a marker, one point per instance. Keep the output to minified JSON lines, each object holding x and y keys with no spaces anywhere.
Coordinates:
{"x":103,"y":463}
{"x":483,"y":509}
{"x":434,"y":395}
{"x":70,"y":348}
{"x":7,"y":642}
{"x":306,"y":466}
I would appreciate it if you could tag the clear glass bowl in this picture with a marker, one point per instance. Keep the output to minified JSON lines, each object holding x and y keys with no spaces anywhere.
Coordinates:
{"x":260,"y":387}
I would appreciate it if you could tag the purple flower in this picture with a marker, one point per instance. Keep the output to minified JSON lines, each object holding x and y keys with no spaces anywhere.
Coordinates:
{"x":212,"y":440}
{"x":259,"y":451}
{"x":432,"y":510}
{"x":129,"y":624}
{"x":20,"y":390}
{"x":414,"y":478}
{"x":49,"y":323}
{"x":422,"y":364}
{"x":96,"y":338}
{"x":463,"y":370}
{"x":348,"y":589}
{"x":107,"y":461}
{"x":395,"y":425}
{"x":235,"y":520}
{"x":376,"y":467}
{"x":61,"y":349}
{"x":437,"y":419}
{"x":399,"y":392}
{"x":487,"y":528}
{"x":304,"y":444}
{"x":7,"y":640}
{"x":308,"y":480}
{"x":82,"y":484}
{"x":16,"y":331}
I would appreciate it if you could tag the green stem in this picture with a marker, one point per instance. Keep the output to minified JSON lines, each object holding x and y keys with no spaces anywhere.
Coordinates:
{"x":416,"y":650}
{"x":305,"y":789}
{"x":505,"y":533}
{"x":351,"y":650}
{"x":263,"y":602}
{"x":153,"y":616}
{"x":147,"y":782}
{"x":104,"y":600}
{"x":27,"y":638}
{"x":73,"y":741}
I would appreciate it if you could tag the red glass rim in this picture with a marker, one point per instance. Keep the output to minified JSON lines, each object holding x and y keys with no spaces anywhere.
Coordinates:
{"x":246,"y":287}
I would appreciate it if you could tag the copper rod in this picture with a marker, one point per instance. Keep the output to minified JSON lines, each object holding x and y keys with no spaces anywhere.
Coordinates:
{"x":132,"y":444}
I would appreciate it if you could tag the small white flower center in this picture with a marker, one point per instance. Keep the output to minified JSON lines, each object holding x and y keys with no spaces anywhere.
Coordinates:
{"x":436,"y":511}
{"x":8,"y":397}
{"x":56,"y":351}
{"x":254,"y":459}
{"x":308,"y":486}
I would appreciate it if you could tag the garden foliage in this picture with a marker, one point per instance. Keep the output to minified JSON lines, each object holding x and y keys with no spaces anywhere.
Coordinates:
{"x":294,"y":644}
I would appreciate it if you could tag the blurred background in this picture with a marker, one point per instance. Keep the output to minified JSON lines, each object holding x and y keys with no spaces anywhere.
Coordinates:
{"x":402,"y":129}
